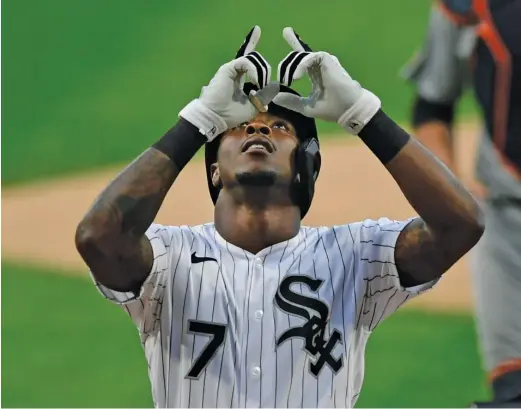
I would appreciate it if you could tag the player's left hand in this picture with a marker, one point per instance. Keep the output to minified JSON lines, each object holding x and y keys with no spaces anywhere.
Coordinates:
{"x":335,"y":96}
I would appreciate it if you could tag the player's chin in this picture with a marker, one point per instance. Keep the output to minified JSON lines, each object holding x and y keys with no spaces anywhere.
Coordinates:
{"x":256,"y":177}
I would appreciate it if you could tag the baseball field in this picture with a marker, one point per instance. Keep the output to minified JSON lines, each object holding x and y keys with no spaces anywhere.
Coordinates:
{"x":87,"y":86}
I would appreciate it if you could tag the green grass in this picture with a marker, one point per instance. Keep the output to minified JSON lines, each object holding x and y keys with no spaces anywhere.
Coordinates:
{"x":63,"y":345}
{"x":420,"y":359}
{"x":90,"y":83}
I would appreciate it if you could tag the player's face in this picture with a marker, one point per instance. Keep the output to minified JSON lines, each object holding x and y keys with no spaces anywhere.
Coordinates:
{"x":259,"y":152}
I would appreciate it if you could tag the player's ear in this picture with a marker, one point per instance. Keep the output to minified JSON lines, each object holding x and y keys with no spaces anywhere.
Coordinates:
{"x":216,"y":176}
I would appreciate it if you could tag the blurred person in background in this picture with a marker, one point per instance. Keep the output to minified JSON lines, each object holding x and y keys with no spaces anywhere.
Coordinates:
{"x":478,"y":43}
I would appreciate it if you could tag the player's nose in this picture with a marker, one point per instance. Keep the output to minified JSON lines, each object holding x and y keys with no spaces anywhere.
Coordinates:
{"x":258,"y":128}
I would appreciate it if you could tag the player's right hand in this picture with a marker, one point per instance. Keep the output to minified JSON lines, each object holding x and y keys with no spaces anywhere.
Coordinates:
{"x":335,"y":96}
{"x":223,"y":104}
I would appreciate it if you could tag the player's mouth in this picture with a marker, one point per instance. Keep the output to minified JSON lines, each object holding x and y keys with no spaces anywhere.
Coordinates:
{"x":258,"y":145}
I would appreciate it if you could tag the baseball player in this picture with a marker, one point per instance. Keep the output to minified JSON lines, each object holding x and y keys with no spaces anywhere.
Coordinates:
{"x":256,"y":310}
{"x":479,"y":42}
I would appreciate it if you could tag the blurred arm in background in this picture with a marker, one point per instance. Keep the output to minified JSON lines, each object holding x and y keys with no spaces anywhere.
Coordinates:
{"x":440,"y":72}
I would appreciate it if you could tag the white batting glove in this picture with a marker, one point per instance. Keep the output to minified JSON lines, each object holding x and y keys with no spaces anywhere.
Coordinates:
{"x":335,"y":96}
{"x":223,"y":104}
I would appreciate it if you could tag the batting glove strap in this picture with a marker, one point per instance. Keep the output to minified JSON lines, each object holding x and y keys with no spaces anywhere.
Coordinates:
{"x":356,"y":117}
{"x":207,"y":121}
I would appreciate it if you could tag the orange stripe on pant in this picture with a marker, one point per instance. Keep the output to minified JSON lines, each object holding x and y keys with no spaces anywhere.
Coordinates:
{"x":489,"y":34}
{"x":508,"y":366}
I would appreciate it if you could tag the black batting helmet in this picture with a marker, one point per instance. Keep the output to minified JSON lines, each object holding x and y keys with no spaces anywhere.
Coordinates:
{"x":307,"y":158}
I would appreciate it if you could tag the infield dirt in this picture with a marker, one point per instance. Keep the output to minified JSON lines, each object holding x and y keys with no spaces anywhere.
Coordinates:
{"x":39,"y":220}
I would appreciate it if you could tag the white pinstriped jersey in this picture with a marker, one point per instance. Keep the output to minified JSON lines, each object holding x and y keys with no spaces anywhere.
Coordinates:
{"x":286,"y":327}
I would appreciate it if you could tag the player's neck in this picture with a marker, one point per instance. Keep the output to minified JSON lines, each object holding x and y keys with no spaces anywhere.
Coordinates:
{"x":255,"y":226}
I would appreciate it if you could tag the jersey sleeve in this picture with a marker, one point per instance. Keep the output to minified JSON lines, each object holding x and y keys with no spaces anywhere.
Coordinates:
{"x":144,"y":307}
{"x":380,"y":289}
{"x":440,"y":70}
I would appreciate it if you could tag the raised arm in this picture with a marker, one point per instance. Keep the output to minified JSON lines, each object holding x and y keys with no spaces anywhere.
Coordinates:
{"x":111,"y":237}
{"x":450,"y":220}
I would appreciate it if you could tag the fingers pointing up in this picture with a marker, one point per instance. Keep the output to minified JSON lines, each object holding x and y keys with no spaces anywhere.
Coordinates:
{"x":250,"y":42}
{"x":287,"y":68}
{"x":259,"y":71}
{"x":294,"y":41}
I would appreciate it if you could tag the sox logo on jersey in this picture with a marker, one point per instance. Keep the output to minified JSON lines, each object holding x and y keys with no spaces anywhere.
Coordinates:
{"x":313,"y":331}
{"x":286,"y":327}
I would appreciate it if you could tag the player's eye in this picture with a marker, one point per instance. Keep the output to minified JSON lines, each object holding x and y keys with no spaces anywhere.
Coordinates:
{"x":281,"y":125}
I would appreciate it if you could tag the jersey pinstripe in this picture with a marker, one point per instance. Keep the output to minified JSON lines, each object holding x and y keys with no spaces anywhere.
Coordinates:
{"x":286,"y":327}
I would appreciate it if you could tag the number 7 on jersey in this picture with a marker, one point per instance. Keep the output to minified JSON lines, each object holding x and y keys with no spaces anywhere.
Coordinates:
{"x":218,"y":332}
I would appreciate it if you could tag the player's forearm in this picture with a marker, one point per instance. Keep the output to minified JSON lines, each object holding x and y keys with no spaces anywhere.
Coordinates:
{"x":434,"y":192}
{"x":129,"y":204}
{"x":452,"y":220}
{"x":430,"y":187}
{"x":110,"y":238}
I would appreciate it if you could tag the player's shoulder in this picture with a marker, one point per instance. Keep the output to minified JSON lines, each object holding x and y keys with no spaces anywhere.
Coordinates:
{"x":354,"y":231}
{"x":364,"y":223}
